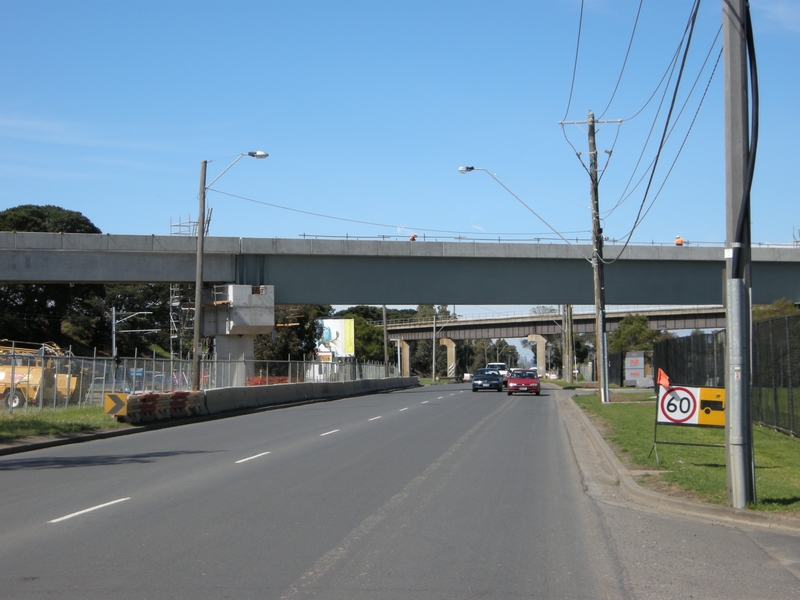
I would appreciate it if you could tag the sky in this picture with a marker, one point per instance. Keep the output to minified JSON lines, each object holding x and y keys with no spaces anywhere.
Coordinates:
{"x":368,"y":107}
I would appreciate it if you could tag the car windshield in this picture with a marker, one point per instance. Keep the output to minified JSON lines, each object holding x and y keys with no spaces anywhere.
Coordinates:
{"x":524,"y":375}
{"x":487,"y":372}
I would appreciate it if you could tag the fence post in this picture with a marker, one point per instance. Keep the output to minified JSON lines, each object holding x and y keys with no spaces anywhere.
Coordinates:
{"x":790,"y":399}
{"x":774,"y":386}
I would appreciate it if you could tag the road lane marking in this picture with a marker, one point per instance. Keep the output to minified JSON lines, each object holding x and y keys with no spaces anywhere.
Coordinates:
{"x":439,"y":398}
{"x":351,"y":541}
{"x":80,"y":512}
{"x":251,"y":457}
{"x":373,"y":418}
{"x":329,"y":432}
{"x":402,"y":409}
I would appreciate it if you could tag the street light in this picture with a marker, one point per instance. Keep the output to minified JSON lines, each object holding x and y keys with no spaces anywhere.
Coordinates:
{"x":198,"y":281}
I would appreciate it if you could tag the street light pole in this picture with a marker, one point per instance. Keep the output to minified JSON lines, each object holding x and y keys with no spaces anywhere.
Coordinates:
{"x":198,"y":279}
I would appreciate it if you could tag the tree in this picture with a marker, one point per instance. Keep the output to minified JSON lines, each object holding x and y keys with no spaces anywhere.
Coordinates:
{"x":297,"y":331}
{"x":368,"y":338}
{"x":633,"y":333}
{"x":778,"y":308}
{"x":45,"y":219}
{"x":144,"y":298}
{"x":67,"y":314}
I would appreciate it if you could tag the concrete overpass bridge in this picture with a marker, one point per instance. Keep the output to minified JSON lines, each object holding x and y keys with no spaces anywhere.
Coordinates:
{"x":535,"y":327}
{"x":349,"y":272}
{"x":519,"y":326}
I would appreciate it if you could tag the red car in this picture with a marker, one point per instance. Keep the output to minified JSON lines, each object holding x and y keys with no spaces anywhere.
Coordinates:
{"x":523,"y":381}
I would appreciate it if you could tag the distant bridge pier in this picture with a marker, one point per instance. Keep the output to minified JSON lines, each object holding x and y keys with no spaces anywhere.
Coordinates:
{"x":451,"y":356}
{"x":541,"y":352}
{"x":405,"y":358}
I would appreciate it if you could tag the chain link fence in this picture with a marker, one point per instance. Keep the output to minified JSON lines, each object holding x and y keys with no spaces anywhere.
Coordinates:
{"x":776,"y":370}
{"x":39,"y":381}
{"x":696,"y":360}
{"x":699,"y":360}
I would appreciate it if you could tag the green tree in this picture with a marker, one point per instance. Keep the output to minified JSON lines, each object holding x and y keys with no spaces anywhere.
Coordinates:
{"x":633,"y":333}
{"x":297,"y":331}
{"x":67,"y":314}
{"x":368,"y":338}
{"x":778,"y":308}
{"x":142,"y":298}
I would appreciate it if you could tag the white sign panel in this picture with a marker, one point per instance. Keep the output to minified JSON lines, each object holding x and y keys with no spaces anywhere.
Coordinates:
{"x":678,"y":405}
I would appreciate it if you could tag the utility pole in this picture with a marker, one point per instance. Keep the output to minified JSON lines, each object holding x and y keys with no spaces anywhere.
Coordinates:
{"x":601,"y":344}
{"x":601,"y":349}
{"x":569,"y":347}
{"x":738,"y":426}
{"x":385,"y":345}
{"x":198,"y":280}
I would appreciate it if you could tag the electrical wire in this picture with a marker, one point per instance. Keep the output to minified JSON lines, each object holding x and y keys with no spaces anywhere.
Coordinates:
{"x":575,"y":63}
{"x":624,"y":197}
{"x":637,"y":221}
{"x":624,"y":62}
{"x":743,"y":220}
{"x":685,"y":138}
{"x":404,"y":227}
{"x":572,"y":88}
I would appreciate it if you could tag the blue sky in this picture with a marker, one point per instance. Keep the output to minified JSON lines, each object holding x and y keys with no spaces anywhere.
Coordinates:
{"x":367,"y":109}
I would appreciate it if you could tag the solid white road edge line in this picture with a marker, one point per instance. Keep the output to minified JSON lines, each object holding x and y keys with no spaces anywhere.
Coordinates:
{"x":80,"y":512}
{"x":250,"y":458}
{"x":329,"y":432}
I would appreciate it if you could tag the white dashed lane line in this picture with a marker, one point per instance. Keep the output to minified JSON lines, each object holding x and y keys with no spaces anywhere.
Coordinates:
{"x":426,"y":401}
{"x":251,"y":457}
{"x":81,"y":512}
{"x":329,"y":432}
{"x":402,"y":409}
{"x":373,"y":418}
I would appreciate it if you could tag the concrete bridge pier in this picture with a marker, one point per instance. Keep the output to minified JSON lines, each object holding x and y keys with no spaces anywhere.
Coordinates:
{"x":451,"y":356}
{"x":541,"y":352}
{"x":405,"y":358}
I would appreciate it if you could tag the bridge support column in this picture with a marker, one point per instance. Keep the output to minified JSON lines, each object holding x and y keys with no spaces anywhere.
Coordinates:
{"x":451,"y":356}
{"x":236,"y":356}
{"x":405,"y":358}
{"x":541,"y":352}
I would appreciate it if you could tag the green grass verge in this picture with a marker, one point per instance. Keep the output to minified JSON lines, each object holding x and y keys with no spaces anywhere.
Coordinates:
{"x":30,"y":421}
{"x":701,"y":469}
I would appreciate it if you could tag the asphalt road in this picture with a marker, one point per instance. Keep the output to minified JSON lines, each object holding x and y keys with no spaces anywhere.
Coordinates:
{"x":434,"y":492}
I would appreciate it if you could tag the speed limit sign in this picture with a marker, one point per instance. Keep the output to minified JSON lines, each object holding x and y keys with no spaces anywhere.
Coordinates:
{"x":678,"y":406}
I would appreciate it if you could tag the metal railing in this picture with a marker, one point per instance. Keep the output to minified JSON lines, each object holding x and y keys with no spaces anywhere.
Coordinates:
{"x":57,"y":382}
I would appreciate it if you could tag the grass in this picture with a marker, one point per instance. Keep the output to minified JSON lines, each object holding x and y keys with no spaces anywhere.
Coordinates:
{"x":23,"y":423}
{"x":700,"y":469}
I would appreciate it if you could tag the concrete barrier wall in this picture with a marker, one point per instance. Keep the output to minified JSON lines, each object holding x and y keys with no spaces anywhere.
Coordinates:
{"x":237,"y":398}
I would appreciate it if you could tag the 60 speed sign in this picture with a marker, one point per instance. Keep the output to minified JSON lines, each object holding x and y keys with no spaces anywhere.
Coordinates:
{"x":678,"y":406}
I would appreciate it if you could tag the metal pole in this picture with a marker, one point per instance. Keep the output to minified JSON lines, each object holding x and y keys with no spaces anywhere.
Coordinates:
{"x":433,"y":371}
{"x":597,"y":263}
{"x":738,"y":431}
{"x":385,"y":345}
{"x":198,"y":280}
{"x":113,"y":332}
